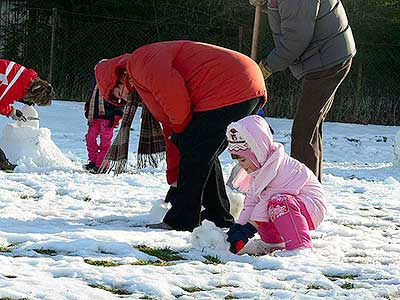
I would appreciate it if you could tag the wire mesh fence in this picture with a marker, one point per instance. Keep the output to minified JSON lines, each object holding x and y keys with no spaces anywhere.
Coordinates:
{"x":63,"y":47}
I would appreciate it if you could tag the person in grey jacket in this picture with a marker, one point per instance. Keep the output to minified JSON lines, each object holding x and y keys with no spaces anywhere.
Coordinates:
{"x":313,"y":38}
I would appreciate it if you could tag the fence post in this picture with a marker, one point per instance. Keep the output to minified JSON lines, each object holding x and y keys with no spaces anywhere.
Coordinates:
{"x":357,"y":98}
{"x":240,"y":39}
{"x":53,"y":40}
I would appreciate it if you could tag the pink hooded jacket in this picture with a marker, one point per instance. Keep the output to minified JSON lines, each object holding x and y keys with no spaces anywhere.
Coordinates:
{"x":279,"y":173}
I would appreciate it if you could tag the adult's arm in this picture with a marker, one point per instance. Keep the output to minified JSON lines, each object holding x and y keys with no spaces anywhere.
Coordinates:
{"x":173,"y":156}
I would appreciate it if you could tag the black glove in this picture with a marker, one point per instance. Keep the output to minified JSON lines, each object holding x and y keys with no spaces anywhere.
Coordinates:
{"x":175,"y":138}
{"x":239,"y":235}
{"x":17,"y":115}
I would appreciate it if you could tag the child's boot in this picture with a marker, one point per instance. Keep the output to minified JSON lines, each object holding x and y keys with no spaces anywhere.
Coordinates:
{"x":259,"y":247}
{"x":91,"y":165}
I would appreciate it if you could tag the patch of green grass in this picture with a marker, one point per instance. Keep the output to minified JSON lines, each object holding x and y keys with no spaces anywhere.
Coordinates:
{"x":221,"y":286}
{"x":347,"y":286}
{"x":229,"y":297}
{"x":212,"y":260}
{"x":314,"y":287}
{"x":378,"y":216}
{"x":192,"y":289}
{"x":165,"y":254}
{"x":158,"y":263}
{"x":24,"y":196}
{"x":12,"y":245}
{"x":361,"y":254}
{"x":5,"y":248}
{"x":352,"y":226}
{"x":102,"y":263}
{"x":341,"y":276}
{"x":49,"y":252}
{"x":110,"y":289}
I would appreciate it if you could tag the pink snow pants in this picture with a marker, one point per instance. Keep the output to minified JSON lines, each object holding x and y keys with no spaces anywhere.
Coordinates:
{"x":289,"y":223}
{"x":97,"y":152}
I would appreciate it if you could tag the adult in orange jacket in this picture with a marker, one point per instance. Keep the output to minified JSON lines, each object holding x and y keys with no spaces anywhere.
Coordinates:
{"x":195,"y":90}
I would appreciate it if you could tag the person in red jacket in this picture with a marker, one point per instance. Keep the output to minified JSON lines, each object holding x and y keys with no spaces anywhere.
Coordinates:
{"x":20,"y":84}
{"x":103,"y":114}
{"x":195,"y":90}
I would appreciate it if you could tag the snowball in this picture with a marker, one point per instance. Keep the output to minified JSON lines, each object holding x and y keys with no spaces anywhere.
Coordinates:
{"x":209,"y":236}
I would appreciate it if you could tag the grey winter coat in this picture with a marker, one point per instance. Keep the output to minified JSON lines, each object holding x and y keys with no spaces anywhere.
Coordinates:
{"x":309,"y":35}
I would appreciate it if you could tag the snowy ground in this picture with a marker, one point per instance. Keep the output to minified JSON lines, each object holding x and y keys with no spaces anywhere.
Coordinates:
{"x":67,"y":234}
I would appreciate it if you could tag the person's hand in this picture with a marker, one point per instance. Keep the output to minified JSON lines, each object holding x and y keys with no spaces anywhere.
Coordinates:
{"x":239,"y":235}
{"x":114,"y":123}
{"x":117,"y":119}
{"x":257,"y":2}
{"x":264,"y":69}
{"x":17,"y":115}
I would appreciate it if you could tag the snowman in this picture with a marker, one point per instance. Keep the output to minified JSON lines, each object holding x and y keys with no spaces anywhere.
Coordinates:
{"x":31,"y":147}
{"x":31,"y":115}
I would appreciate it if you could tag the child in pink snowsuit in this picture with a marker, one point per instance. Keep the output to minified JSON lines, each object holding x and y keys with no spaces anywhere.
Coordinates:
{"x":103,"y":116}
{"x":284,"y":199}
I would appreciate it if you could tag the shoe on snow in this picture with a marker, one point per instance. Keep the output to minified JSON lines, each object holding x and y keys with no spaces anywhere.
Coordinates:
{"x":161,"y":225}
{"x":89,"y":166}
{"x":7,"y":166}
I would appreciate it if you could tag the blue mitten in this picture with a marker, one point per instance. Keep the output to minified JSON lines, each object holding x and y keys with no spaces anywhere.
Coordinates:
{"x":239,"y":235}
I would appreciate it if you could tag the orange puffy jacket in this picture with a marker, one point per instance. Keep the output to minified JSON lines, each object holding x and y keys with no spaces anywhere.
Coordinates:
{"x":14,"y":83}
{"x":177,"y":78}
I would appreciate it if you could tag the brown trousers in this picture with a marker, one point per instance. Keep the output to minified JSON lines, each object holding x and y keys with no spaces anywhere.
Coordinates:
{"x":318,"y":92}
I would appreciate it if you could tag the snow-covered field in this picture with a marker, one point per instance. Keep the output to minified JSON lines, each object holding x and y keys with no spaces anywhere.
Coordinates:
{"x":68,"y":234}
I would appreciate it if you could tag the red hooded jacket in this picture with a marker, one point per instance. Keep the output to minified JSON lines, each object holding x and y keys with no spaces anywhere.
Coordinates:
{"x":108,"y":73}
{"x":177,"y":78}
{"x":14,"y":83}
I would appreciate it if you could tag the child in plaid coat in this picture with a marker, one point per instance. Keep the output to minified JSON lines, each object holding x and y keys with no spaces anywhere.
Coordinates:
{"x":103,"y":116}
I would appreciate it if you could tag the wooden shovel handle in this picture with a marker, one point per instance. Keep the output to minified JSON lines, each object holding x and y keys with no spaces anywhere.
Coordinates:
{"x":256,"y":32}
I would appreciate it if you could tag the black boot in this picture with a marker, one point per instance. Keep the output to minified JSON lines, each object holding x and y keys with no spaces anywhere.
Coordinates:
{"x":5,"y":165}
{"x":90,"y":166}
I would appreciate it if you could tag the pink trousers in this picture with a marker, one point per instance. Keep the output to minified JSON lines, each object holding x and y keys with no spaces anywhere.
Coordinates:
{"x":289,"y":223}
{"x":97,"y":152}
